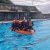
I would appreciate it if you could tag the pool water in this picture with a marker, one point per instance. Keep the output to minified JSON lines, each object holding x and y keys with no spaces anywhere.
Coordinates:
{"x":40,"y":40}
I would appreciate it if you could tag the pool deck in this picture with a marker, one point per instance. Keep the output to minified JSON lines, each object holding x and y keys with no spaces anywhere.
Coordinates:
{"x":32,"y":20}
{"x":6,"y":21}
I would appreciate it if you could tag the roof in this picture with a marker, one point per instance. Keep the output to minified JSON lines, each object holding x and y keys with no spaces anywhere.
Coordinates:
{"x":45,"y":9}
{"x":12,"y":7}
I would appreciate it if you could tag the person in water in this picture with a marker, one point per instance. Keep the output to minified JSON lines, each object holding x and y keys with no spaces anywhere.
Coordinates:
{"x":24,"y":25}
{"x":29,"y":22}
{"x":15,"y":25}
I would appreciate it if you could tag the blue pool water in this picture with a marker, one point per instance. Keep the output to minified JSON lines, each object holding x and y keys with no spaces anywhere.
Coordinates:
{"x":40,"y":40}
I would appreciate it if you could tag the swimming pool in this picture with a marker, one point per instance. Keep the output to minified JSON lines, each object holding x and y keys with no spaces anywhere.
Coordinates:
{"x":40,"y":40}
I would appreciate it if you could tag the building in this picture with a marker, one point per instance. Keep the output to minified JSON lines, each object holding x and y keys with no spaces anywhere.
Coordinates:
{"x":46,"y":16}
{"x":11,"y":11}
